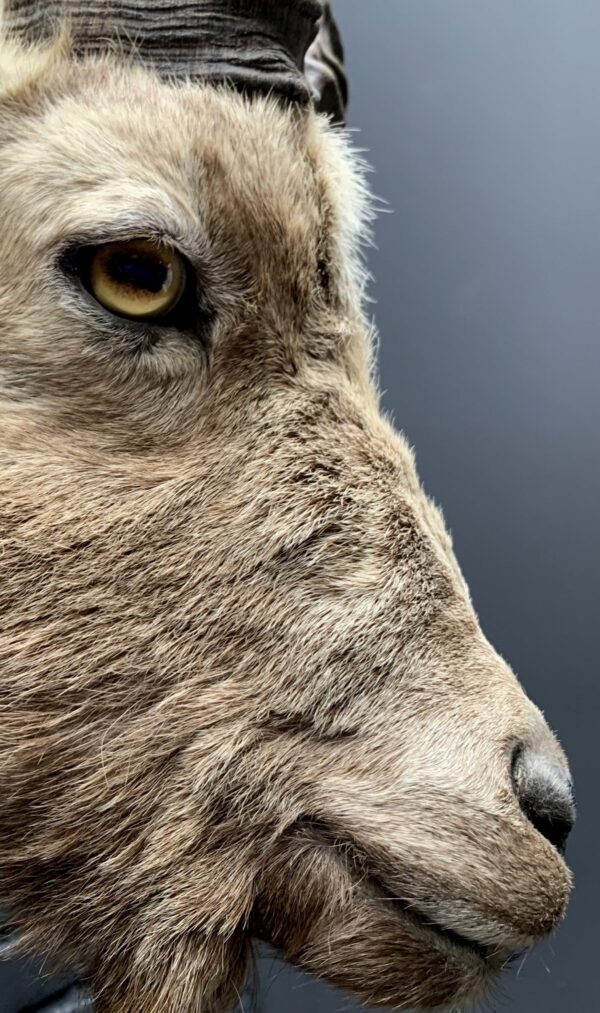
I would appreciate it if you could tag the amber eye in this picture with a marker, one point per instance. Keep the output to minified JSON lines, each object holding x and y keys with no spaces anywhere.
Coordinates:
{"x":138,"y":279}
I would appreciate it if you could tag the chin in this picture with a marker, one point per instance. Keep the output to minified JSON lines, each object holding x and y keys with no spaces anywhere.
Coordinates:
{"x":333,"y":915}
{"x":369,"y":944}
{"x":392,"y":957}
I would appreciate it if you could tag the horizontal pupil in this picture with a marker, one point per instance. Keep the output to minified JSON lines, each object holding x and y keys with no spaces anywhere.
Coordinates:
{"x":138,"y":271}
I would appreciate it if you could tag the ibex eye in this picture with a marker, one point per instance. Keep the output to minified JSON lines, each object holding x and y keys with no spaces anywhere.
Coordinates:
{"x":139,"y":279}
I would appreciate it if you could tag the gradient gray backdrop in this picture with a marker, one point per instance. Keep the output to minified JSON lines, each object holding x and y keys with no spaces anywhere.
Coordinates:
{"x":481,"y":119}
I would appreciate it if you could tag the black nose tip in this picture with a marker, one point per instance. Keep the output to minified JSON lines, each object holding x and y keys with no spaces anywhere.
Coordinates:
{"x":545,"y":794}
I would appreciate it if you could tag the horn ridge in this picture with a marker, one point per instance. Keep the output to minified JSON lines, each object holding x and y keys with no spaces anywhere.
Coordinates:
{"x":255,"y":44}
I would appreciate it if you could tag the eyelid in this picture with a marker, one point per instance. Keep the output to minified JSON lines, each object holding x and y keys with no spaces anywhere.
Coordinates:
{"x":125,"y":234}
{"x":189,"y":240}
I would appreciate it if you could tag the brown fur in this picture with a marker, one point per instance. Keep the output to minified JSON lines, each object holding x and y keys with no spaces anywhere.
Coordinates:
{"x":243,"y":690}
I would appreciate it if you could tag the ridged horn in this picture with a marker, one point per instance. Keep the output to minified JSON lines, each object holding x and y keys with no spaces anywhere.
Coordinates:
{"x":258,"y":45}
{"x":324,"y":68}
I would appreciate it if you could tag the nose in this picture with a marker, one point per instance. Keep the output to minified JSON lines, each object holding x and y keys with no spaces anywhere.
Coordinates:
{"x":545,"y":793}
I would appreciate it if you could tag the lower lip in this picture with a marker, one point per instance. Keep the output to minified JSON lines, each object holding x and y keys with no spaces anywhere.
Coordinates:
{"x":418,"y":918}
{"x":491,"y":957}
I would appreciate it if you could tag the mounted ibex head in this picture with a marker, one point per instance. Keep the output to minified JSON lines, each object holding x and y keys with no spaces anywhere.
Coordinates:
{"x":243,"y":690}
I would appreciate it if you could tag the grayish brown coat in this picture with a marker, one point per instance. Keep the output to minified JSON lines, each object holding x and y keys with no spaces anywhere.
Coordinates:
{"x":243,"y":690}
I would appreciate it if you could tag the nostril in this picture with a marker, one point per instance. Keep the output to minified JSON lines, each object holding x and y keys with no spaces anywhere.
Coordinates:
{"x":545,"y":794}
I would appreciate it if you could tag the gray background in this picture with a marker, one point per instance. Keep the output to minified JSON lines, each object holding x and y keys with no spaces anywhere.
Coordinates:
{"x":482,"y":120}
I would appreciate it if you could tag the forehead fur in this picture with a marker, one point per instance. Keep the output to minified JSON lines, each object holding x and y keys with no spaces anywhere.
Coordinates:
{"x":76,"y":126}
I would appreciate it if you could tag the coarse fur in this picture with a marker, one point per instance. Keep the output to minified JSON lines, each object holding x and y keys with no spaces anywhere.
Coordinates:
{"x":243,"y":690}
